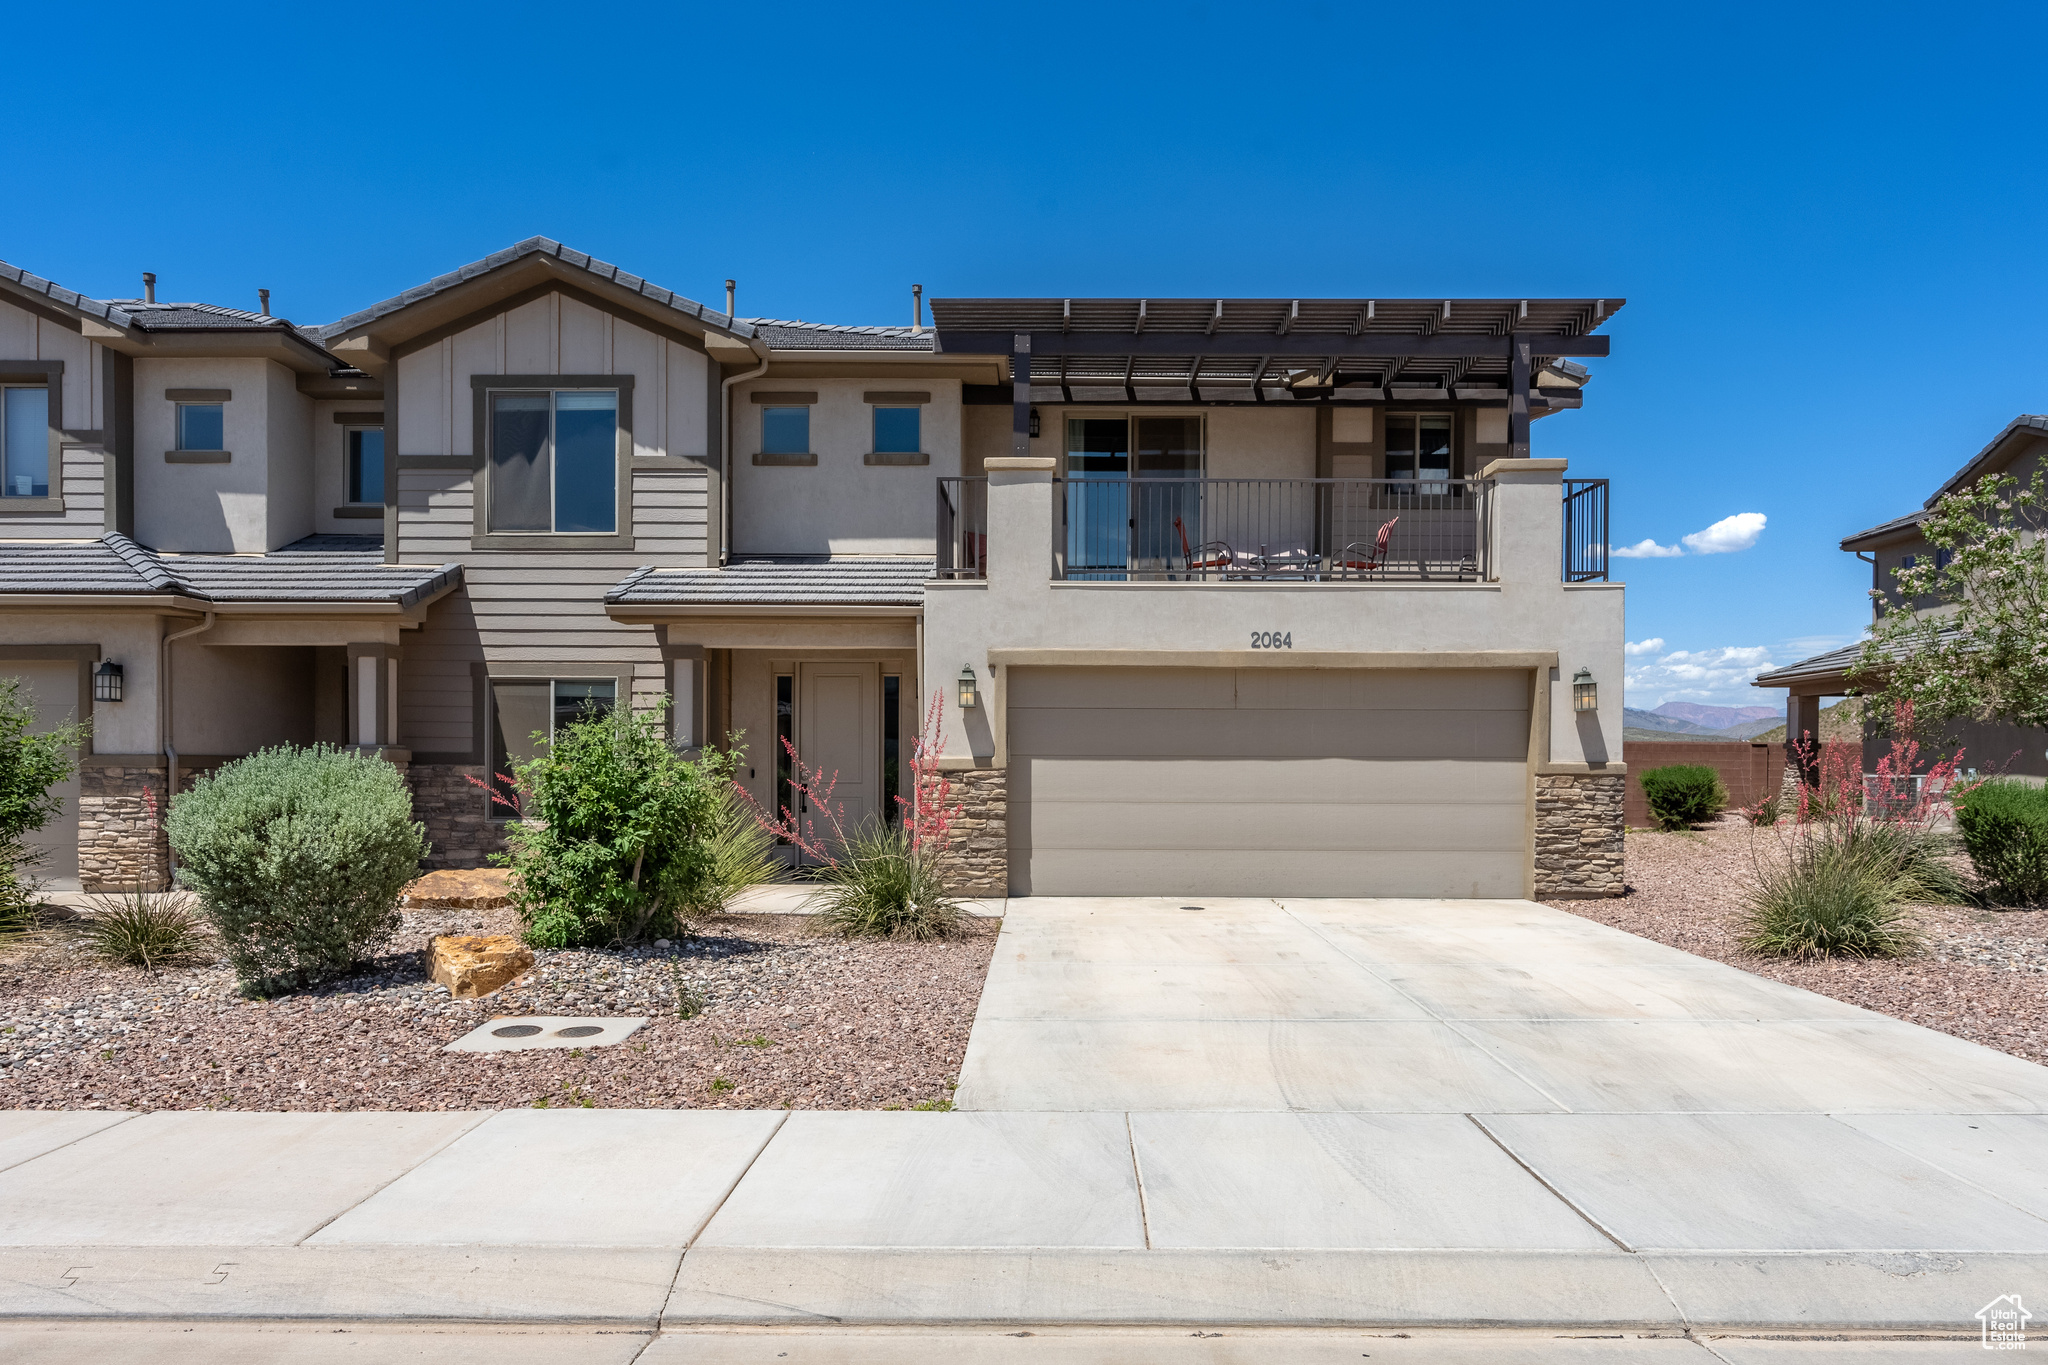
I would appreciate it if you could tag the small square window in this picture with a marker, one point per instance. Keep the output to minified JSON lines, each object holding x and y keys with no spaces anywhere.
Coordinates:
{"x":785,"y":431}
{"x":896,"y":431}
{"x":201,"y":426}
{"x":366,"y":464}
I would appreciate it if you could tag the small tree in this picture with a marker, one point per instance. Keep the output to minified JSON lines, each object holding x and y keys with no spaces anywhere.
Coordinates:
{"x":615,"y":843}
{"x":298,"y":856}
{"x":1980,"y":649}
{"x":30,"y":765}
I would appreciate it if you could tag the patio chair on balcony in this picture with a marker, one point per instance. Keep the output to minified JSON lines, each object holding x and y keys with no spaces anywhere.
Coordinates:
{"x":1209,"y":557}
{"x":1349,"y":561}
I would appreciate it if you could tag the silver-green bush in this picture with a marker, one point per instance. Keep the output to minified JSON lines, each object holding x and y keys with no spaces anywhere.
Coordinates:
{"x":298,"y":856}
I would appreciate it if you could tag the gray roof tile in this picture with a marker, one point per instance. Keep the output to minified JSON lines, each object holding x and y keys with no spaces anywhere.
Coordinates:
{"x":782,"y":334}
{"x":317,"y":569}
{"x":870,"y":581}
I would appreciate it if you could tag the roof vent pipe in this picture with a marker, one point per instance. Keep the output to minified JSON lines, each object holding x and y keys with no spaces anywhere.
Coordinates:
{"x":148,"y":286}
{"x":917,"y":310}
{"x":729,"y":286}
{"x":263,"y":301}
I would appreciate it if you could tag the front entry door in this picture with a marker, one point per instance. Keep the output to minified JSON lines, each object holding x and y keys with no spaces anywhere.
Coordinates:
{"x":838,"y":711}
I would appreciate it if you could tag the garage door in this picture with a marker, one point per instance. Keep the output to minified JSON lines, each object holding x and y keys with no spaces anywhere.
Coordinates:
{"x":1268,"y":782}
{"x":53,"y":685}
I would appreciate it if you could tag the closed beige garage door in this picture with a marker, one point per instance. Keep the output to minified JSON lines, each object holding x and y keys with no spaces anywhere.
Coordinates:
{"x":1268,"y":782}
{"x":53,"y":686}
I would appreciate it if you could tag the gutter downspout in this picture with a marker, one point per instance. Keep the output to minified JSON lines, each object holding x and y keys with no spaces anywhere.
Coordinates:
{"x":725,"y":431}
{"x":163,"y":707}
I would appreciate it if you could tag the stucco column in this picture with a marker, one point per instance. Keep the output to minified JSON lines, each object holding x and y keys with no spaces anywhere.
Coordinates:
{"x":373,"y":696}
{"x":1019,"y":521}
{"x":1526,"y":511}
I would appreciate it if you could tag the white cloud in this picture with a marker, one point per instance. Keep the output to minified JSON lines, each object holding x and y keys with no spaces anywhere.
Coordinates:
{"x":1727,"y":535}
{"x":1645,"y":549}
{"x":1715,"y":677}
{"x":1649,"y":646}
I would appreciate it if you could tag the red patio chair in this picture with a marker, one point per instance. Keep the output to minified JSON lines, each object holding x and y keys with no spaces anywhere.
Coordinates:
{"x":1378,"y":557}
{"x":1214,"y":554}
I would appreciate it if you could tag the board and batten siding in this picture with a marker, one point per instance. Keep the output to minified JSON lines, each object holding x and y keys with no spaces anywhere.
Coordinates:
{"x":541,"y":613}
{"x":28,"y":336}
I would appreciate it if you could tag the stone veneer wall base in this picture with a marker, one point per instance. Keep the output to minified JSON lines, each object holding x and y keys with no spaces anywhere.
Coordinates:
{"x":1579,"y":835}
{"x":980,"y":837}
{"x":455,"y":812}
{"x":121,"y":844}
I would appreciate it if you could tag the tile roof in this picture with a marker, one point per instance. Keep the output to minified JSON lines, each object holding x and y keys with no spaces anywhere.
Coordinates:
{"x":784,"y":580}
{"x":782,"y":334}
{"x":534,"y":246}
{"x":1884,"y":530}
{"x":2026,"y":424}
{"x":316,"y":569}
{"x":1829,"y":665}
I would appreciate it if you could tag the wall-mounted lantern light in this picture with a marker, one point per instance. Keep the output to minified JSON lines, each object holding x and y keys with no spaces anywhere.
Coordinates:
{"x":968,"y":698}
{"x":106,"y":681}
{"x":1585,"y":692}
{"x":1034,"y":423}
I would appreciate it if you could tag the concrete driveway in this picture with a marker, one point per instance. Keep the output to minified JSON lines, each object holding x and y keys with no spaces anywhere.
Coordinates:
{"x":1429,"y":1007}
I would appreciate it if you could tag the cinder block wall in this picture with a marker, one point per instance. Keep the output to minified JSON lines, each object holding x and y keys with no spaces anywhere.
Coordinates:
{"x":1750,"y":772}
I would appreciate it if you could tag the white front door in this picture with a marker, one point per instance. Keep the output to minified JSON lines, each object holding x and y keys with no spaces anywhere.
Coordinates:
{"x":838,"y":714}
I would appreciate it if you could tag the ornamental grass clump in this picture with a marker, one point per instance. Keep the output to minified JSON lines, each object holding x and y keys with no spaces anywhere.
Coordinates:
{"x":2004,"y":824}
{"x":145,"y":929}
{"x":1682,"y":795}
{"x":298,"y":857}
{"x":615,"y":846}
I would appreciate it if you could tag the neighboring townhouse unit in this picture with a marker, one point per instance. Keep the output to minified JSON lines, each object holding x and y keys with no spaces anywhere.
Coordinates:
{"x":1898,"y":544}
{"x":1219,"y":596}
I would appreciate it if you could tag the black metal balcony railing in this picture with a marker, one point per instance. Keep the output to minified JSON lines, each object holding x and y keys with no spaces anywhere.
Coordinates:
{"x":1585,"y":530}
{"x":1262,"y":530}
{"x":963,"y":528}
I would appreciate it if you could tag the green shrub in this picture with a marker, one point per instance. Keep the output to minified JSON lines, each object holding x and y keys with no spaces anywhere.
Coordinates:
{"x":143,"y":929}
{"x":298,"y":856}
{"x":1839,"y":893}
{"x":1684,"y":794}
{"x":30,"y":765}
{"x":615,"y":847}
{"x":2004,"y":824}
{"x":880,"y":886}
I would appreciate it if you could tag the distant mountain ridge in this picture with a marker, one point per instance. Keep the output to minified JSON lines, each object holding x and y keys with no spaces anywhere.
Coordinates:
{"x":1686,"y":720}
{"x":1719,"y":717}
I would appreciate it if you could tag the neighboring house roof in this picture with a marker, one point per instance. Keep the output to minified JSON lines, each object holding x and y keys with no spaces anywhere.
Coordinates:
{"x":783,"y":580}
{"x":535,"y":246}
{"x":202,"y":317}
{"x":1825,"y":667}
{"x":316,"y":569}
{"x":106,"y":311}
{"x":784,"y":335}
{"x":1899,"y":528}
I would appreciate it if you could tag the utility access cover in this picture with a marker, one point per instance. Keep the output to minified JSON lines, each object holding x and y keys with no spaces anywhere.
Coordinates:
{"x":518,"y":1034}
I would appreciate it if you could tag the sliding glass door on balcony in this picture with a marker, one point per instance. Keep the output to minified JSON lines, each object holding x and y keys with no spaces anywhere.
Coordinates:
{"x":1132,"y":494}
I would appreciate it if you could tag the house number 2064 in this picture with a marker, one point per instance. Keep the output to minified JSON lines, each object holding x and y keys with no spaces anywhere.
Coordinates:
{"x":1272,"y":639}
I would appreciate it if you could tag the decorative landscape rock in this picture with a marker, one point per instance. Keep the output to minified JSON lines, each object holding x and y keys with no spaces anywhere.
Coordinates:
{"x":470,"y":965}
{"x":460,"y":888}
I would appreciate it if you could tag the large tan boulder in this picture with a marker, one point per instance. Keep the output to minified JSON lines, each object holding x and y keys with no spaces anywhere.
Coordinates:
{"x":470,"y":965}
{"x":460,"y":888}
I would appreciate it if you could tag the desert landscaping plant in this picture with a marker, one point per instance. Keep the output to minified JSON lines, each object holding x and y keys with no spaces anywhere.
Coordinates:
{"x":616,"y":842}
{"x":298,"y":857}
{"x":145,"y":929}
{"x":885,"y":879}
{"x":1764,"y":813}
{"x":31,"y":765}
{"x":739,"y":854}
{"x":2004,"y":826}
{"x":1682,"y":795}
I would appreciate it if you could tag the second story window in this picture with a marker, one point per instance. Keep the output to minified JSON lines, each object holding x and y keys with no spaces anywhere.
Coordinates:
{"x":1419,"y":449}
{"x":201,"y":426}
{"x":554,"y":462}
{"x":787,"y":431}
{"x":897,"y":431}
{"x":25,"y":443}
{"x":366,"y":464}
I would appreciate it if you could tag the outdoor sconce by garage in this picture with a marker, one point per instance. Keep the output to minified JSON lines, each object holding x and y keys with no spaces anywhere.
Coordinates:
{"x":1585,"y":692}
{"x":106,"y":681}
{"x":968,"y":698}
{"x":1034,"y":422}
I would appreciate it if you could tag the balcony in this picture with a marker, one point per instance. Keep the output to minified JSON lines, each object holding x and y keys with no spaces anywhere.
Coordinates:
{"x":1171,"y":530}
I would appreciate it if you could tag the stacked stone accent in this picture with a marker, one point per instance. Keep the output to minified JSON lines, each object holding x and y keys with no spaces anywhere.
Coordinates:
{"x":980,"y":838}
{"x":1578,"y":835}
{"x":121,"y":843}
{"x":456,"y":814}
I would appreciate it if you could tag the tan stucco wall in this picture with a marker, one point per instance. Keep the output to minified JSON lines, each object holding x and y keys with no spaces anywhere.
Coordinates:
{"x":216,"y":508}
{"x":127,"y":638}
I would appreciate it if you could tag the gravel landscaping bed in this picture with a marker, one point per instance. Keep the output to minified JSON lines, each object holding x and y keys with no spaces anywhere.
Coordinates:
{"x":1983,"y":974}
{"x":788,"y":1019}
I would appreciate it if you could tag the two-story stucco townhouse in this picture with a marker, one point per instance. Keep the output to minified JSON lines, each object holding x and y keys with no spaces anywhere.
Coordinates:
{"x":1218,"y":596}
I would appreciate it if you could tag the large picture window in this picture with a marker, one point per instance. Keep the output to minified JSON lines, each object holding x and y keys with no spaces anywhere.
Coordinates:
{"x":25,"y":443}
{"x":554,"y":462}
{"x":526,"y":713}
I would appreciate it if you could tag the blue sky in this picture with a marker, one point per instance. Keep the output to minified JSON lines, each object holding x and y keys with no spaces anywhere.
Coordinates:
{"x":1828,"y":221}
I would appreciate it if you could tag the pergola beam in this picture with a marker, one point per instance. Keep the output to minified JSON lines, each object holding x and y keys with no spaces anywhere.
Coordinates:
{"x":1439,"y":346}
